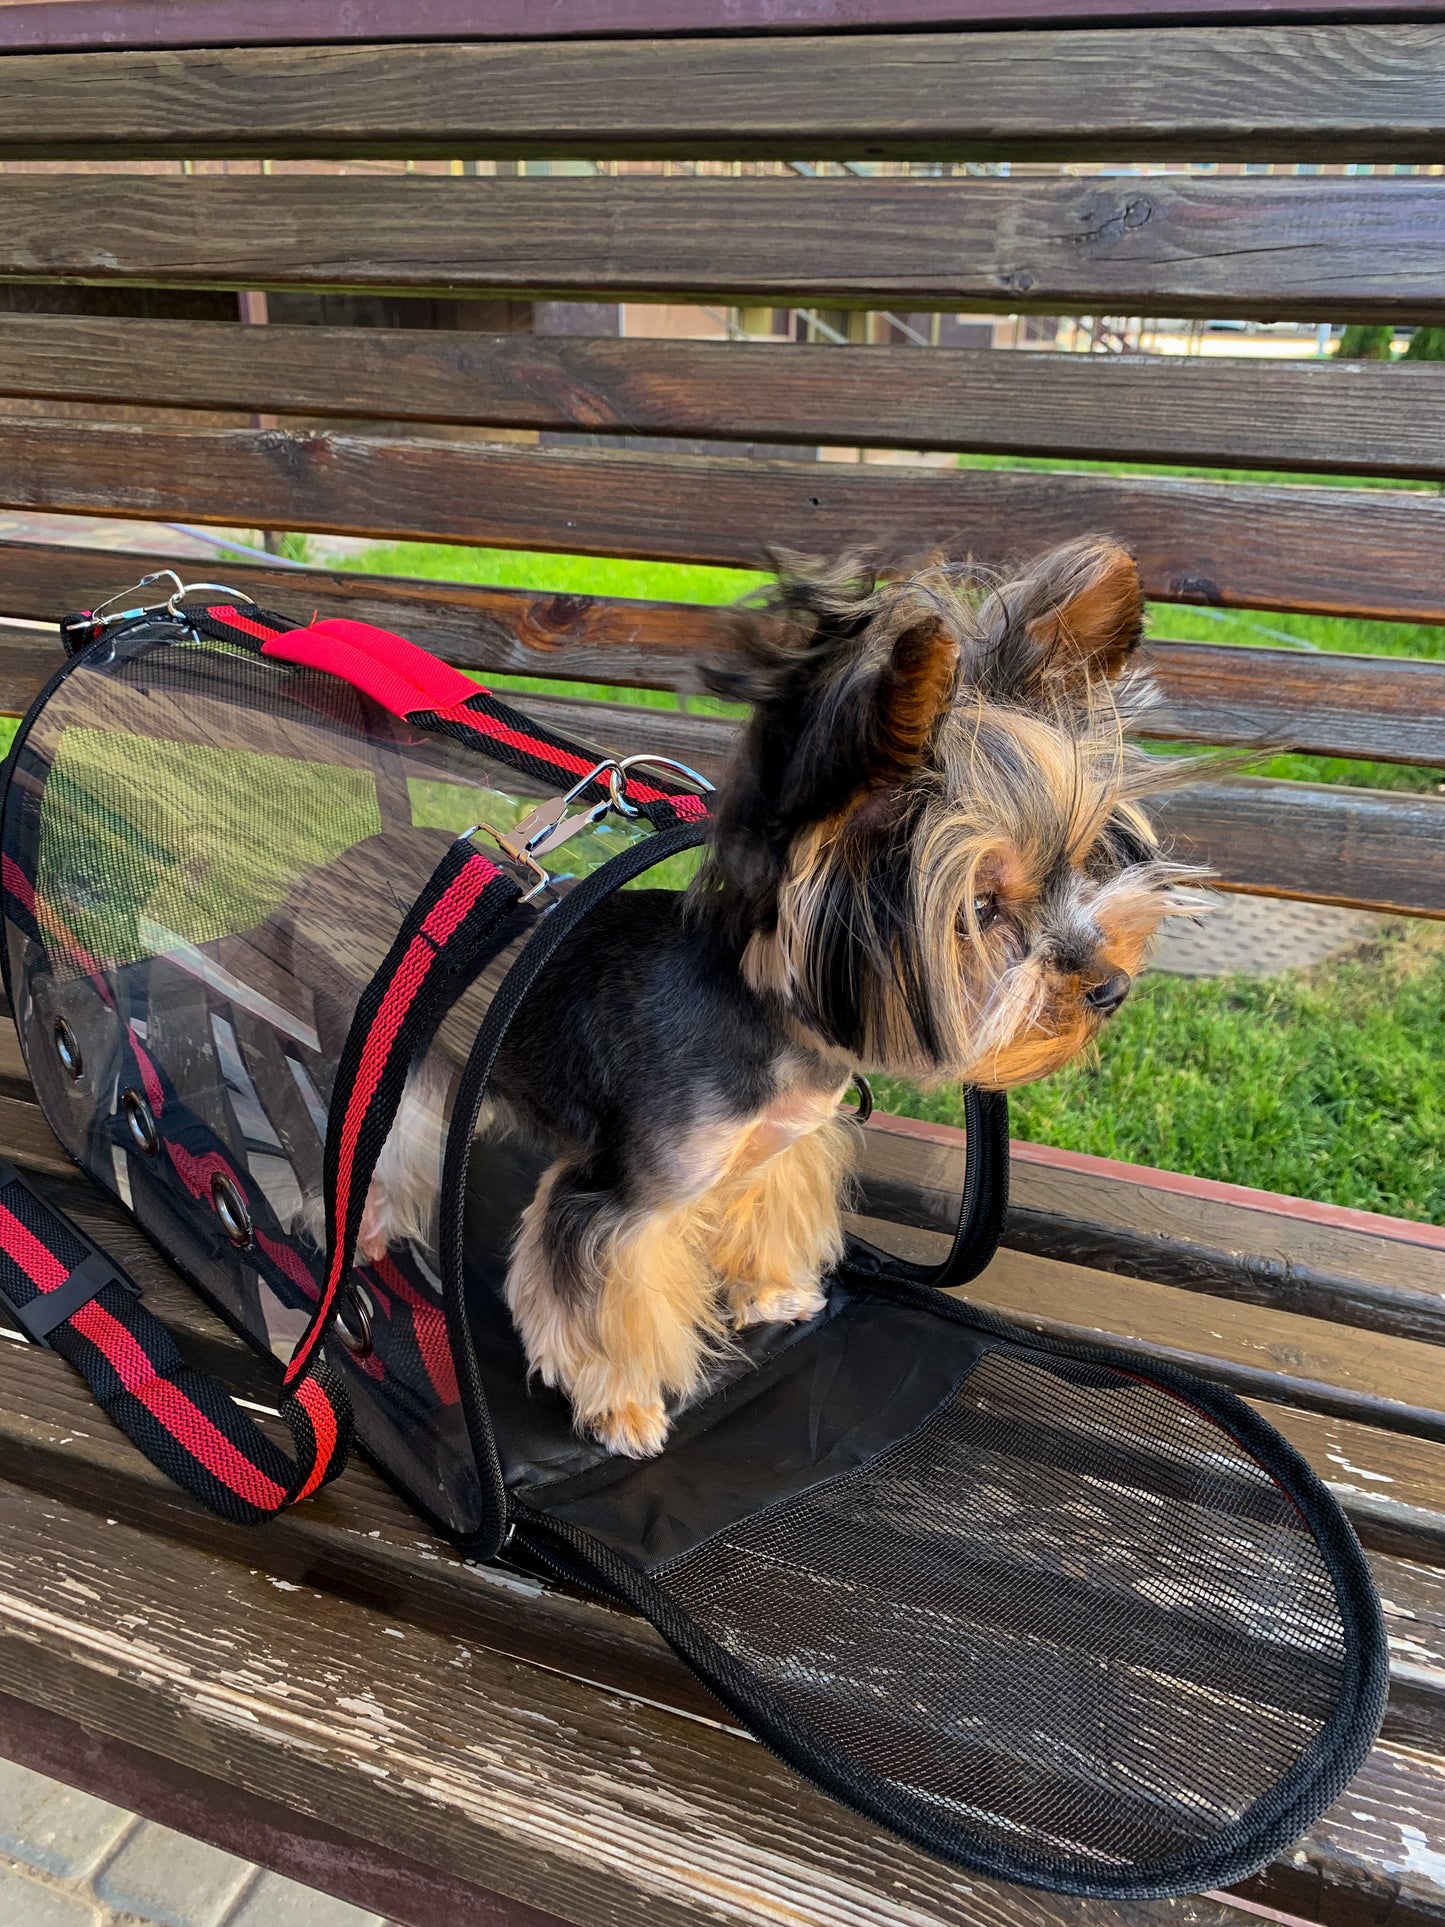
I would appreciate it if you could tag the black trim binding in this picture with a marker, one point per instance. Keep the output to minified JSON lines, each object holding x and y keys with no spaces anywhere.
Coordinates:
{"x":981,"y":1212}
{"x":489,"y":1537}
{"x":1306,"y":1790}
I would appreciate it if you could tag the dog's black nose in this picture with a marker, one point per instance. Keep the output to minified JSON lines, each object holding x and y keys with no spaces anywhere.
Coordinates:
{"x":1107,"y":996}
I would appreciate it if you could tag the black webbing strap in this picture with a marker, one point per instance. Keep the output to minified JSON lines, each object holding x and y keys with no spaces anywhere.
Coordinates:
{"x":67,"y":1294}
{"x":411,"y":683}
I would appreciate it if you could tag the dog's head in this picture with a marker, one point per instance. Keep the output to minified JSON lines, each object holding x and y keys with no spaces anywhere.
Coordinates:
{"x":931,"y":843}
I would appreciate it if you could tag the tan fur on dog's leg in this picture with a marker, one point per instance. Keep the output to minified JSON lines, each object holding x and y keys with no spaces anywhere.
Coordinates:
{"x":637,"y":1334}
{"x":656,"y":1322}
{"x":555,"y":1330}
{"x":776,"y":1229}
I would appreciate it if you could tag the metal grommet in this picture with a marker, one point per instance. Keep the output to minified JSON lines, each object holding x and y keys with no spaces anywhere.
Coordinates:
{"x":139,"y":1122}
{"x":230,"y":1208}
{"x":353,"y":1322}
{"x":67,"y":1049}
{"x":865,"y":1098}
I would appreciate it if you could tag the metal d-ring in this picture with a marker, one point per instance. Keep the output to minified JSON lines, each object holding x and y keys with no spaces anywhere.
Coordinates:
{"x":865,"y":1098}
{"x":183,"y":589}
{"x":617,"y":785}
{"x":170,"y":607}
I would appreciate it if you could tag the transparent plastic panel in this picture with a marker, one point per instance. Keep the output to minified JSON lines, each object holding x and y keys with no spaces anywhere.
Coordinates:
{"x":219,"y":850}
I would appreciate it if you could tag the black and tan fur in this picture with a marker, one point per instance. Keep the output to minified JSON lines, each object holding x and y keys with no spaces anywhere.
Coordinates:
{"x":929,"y":858}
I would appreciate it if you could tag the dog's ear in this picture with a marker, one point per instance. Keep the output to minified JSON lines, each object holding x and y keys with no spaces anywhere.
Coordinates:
{"x":849,"y":680}
{"x":1065,"y":624}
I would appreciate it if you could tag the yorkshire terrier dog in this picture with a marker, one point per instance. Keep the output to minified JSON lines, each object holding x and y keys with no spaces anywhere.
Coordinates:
{"x":929,"y":858}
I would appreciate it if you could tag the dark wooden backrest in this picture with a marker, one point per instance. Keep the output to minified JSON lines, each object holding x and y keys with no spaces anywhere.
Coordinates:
{"x":1327,"y":247}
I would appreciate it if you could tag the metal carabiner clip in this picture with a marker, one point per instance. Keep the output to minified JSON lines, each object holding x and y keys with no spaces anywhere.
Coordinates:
{"x":547,"y":824}
{"x":618,"y":784}
{"x":184,"y":589}
{"x":100,"y":619}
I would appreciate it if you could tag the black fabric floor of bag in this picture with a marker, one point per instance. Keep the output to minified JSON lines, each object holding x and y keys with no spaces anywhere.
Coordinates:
{"x":1053,"y":1615}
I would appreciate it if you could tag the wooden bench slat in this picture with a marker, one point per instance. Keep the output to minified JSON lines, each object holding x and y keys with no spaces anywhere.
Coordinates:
{"x":912,"y":1173}
{"x":1331,"y":550}
{"x":1350,"y":417}
{"x":515,"y":1779}
{"x":1319,"y":248}
{"x":1366,"y":1377}
{"x":79,"y":24}
{"x":1388,"y":708}
{"x":1334,"y":1376}
{"x":1409,"y":1521}
{"x":358,"y":1545}
{"x":1366,"y":848}
{"x":1260,"y":93}
{"x":1391,"y":709}
{"x":1370,"y":849}
{"x":1372,"y":1854}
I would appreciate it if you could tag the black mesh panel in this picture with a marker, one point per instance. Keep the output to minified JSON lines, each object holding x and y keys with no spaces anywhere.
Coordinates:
{"x":1068,"y":1618}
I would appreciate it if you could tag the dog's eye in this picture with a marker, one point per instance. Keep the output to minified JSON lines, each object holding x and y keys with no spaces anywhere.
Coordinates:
{"x":985,"y":912}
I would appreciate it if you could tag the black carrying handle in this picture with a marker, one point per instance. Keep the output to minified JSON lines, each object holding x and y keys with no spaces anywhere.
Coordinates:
{"x":981,"y":1211}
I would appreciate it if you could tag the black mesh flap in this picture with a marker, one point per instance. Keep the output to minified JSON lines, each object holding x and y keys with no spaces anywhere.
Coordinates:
{"x":1081,"y":1628}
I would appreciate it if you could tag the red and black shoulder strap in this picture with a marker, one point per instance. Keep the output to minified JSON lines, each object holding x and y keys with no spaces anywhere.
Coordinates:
{"x":66,"y":1293}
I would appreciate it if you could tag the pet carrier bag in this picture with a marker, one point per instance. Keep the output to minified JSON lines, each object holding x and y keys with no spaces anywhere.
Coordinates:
{"x":1056,"y":1615}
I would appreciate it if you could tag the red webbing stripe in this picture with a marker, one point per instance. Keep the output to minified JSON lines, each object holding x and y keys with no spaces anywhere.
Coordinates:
{"x":402,"y":990}
{"x":166,"y":1402}
{"x":442,"y":920}
{"x":317,"y":1407}
{"x":37,"y":1261}
{"x":235,"y":620}
{"x":429,"y":1323}
{"x":569,"y":762}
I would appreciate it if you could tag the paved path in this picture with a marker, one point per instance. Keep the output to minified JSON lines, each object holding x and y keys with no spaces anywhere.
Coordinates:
{"x":1259,"y":937}
{"x":67,"y":1860}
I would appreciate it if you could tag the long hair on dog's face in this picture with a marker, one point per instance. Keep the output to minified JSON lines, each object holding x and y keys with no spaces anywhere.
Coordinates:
{"x":932,"y":846}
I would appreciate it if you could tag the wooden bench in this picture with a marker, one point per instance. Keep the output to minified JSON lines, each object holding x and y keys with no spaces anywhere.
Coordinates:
{"x":338,"y":1695}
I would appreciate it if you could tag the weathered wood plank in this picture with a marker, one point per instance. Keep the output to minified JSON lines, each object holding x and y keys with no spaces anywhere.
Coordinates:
{"x":1388,"y":708}
{"x":591,"y":638}
{"x":1354,"y":417}
{"x":1320,"y":248}
{"x":1408,"y":1518}
{"x":1258,"y":93}
{"x":1373,"y":849}
{"x":913,"y":1173}
{"x":1335,"y":551}
{"x":1279,"y":1356}
{"x":360,"y":1545}
{"x":1392,"y":1488}
{"x":516,"y":1779}
{"x":1373,"y":1854}
{"x":250,"y":1825}
{"x":40,"y":25}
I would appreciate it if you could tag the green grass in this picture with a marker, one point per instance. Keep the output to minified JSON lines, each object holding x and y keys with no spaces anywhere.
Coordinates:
{"x":1329,"y":1084}
{"x":1324,"y":1084}
{"x":559,"y":574}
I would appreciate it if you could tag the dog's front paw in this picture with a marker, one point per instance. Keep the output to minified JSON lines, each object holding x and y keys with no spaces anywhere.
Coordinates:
{"x":790,"y":1303}
{"x":373,"y":1240}
{"x":631,"y":1430}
